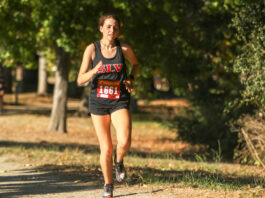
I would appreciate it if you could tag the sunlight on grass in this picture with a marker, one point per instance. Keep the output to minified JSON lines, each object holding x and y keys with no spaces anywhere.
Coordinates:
{"x":156,"y":156}
{"x":147,"y":169}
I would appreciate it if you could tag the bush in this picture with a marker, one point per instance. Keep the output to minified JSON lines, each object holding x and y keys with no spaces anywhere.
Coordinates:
{"x":249,"y":23}
{"x":251,"y":139}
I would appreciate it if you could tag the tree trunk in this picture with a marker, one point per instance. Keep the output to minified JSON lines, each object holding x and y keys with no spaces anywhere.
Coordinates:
{"x":42,"y":76}
{"x":59,"y":108}
{"x":8,"y":79}
{"x":19,"y":81}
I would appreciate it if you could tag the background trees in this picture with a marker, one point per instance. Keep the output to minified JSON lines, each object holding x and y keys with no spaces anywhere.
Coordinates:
{"x":249,"y":22}
{"x":192,"y":45}
{"x":17,"y":33}
{"x":62,"y":26}
{"x":17,"y":38}
{"x":212,"y":53}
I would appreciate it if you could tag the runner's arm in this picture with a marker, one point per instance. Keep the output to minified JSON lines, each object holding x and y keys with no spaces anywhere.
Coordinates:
{"x":85,"y":73}
{"x":130,"y":56}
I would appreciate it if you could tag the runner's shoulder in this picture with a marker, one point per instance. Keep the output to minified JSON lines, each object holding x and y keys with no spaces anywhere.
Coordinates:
{"x":90,"y":50}
{"x":125,"y":47}
{"x":90,"y":47}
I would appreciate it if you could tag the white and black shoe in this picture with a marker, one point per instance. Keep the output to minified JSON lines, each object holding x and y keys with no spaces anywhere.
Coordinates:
{"x":108,"y":191}
{"x":120,"y":170}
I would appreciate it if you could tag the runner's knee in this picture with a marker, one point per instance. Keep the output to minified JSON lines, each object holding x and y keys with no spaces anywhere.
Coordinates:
{"x":107,"y":151}
{"x":124,"y":144}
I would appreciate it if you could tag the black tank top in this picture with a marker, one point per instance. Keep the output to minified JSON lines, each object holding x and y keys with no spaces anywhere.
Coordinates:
{"x":107,"y":87}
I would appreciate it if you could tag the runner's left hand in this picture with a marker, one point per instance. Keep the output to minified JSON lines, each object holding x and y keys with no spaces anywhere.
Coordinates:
{"x":128,"y":85}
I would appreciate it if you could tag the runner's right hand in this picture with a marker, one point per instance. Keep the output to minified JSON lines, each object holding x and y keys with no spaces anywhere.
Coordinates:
{"x":96,"y":68}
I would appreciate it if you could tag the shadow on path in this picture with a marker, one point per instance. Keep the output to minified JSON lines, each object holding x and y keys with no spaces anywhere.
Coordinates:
{"x":143,"y":175}
{"x":86,"y":173}
{"x":32,"y":182}
{"x":33,"y":110}
{"x":50,"y":146}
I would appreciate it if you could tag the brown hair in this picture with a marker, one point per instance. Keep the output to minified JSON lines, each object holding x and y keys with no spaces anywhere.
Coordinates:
{"x":107,"y":16}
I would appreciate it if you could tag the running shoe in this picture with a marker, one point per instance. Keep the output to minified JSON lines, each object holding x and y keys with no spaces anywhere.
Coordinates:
{"x":108,"y":191}
{"x":120,"y":170}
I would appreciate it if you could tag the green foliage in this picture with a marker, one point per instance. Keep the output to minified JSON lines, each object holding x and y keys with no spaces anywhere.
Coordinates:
{"x":6,"y":58}
{"x":30,"y":26}
{"x":17,"y":33}
{"x":200,"y":48}
{"x":250,"y":25}
{"x":64,"y":23}
{"x":188,"y":42}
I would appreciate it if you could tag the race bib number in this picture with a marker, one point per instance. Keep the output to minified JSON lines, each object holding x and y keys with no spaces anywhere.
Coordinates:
{"x":108,"y":89}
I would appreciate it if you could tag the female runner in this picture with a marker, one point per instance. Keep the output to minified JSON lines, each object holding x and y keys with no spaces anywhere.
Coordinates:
{"x":104,"y":65}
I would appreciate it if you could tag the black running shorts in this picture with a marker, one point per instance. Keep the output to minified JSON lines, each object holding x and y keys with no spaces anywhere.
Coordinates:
{"x":107,"y":110}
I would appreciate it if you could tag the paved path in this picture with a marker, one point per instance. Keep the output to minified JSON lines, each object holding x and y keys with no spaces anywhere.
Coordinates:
{"x":17,"y":180}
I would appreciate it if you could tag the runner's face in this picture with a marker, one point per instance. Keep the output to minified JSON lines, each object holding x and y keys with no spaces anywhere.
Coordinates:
{"x":110,"y":29}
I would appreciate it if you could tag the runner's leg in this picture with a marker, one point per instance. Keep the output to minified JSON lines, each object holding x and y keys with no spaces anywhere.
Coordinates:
{"x":102,"y":127}
{"x":121,"y":121}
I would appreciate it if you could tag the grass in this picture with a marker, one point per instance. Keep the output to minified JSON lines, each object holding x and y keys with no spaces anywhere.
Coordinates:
{"x":156,"y":157}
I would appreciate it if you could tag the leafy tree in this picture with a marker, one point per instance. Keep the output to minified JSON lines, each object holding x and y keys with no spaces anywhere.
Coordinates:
{"x":17,"y":36}
{"x":249,"y":22}
{"x":66,"y":26}
{"x":192,"y":45}
{"x":17,"y":33}
{"x":189,"y":42}
{"x":62,"y":25}
{"x":208,"y":46}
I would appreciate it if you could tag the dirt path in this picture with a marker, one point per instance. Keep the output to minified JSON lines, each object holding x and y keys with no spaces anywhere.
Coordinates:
{"x":18,"y":179}
{"x":23,"y":180}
